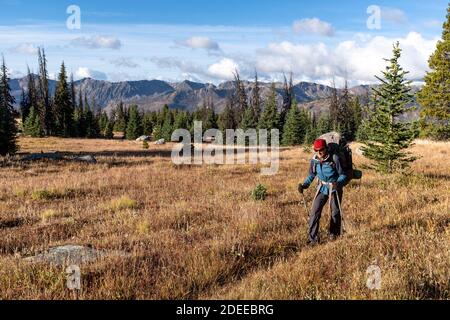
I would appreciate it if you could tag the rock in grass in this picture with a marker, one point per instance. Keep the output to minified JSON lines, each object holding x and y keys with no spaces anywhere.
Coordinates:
{"x":143,"y":138}
{"x":86,"y":159}
{"x":160,"y":142}
{"x":72,"y":255}
{"x":67,"y":255}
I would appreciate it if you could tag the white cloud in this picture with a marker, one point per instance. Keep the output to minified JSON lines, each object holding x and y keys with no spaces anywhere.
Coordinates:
{"x":124,"y":62}
{"x":97,"y":42}
{"x":173,"y":63}
{"x":393,"y":15}
{"x":355,"y":60}
{"x":224,"y":69}
{"x":200,"y":43}
{"x":313,"y":26}
{"x":83,"y":72}
{"x":25,"y":48}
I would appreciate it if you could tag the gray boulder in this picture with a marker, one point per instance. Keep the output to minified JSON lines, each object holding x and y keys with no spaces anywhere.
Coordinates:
{"x":68,"y":255}
{"x":143,"y":138}
{"x":87,"y":159}
{"x":160,"y":142}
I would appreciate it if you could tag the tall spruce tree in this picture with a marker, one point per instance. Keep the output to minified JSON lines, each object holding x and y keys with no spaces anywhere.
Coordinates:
{"x":8,"y":129}
{"x":121,"y":118}
{"x":324,"y":124}
{"x":293,"y":130}
{"x":24,"y":106}
{"x":78,"y":117}
{"x":312,"y":133}
{"x":270,"y":118}
{"x":32,"y":125}
{"x":435,"y":95}
{"x":92,"y":129}
{"x":147,"y":124}
{"x":345,"y":116}
{"x":32,"y":95}
{"x":256,"y":99}
{"x":167,"y":126}
{"x":63,"y":105}
{"x":241,"y":98}
{"x":387,"y":137}
{"x":249,"y":119}
{"x":134,"y":128}
{"x":44,"y":102}
{"x":288,"y":96}
{"x":334,"y":108}
{"x":226,"y":118}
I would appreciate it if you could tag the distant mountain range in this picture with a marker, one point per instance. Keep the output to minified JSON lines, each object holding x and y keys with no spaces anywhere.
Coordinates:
{"x":151,"y":95}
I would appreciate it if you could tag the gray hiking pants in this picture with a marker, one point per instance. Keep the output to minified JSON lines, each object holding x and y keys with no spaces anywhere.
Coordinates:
{"x":316,"y":213}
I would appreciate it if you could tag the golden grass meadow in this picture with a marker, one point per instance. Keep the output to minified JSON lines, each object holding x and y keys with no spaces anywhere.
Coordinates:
{"x":194,"y":232}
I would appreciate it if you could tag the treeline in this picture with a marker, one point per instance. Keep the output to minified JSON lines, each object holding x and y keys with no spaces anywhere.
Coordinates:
{"x":241,"y":112}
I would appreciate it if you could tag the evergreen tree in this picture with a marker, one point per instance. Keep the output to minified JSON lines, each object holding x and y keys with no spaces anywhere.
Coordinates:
{"x":109,"y":130}
{"x":241,"y":98}
{"x":92,"y":129}
{"x":8,"y":129}
{"x":388,"y":137}
{"x":44,"y":102}
{"x":345,"y":116}
{"x":226,"y":118}
{"x":293,"y":130}
{"x":120,"y":119}
{"x":24,"y":106}
{"x":270,"y":118}
{"x":435,"y":95}
{"x":334,"y":108}
{"x":167,"y":126}
{"x":63,"y":105}
{"x":157,"y":132}
{"x":256,"y":99}
{"x":147,"y":124}
{"x":324,"y":124}
{"x":32,"y":124}
{"x":134,"y":128}
{"x":181,"y":121}
{"x":210,"y":121}
{"x":31,"y":97}
{"x":249,"y":119}
{"x":103,"y":122}
{"x":357,"y":115}
{"x":288,"y":96}
{"x":312,"y":133}
{"x":79,"y":117}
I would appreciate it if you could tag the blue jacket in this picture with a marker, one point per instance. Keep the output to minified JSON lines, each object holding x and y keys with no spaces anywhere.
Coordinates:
{"x":329,"y":170}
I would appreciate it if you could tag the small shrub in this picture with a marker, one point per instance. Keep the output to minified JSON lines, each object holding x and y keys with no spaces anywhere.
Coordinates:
{"x":145,"y":145}
{"x":143,"y":227}
{"x":122,"y":203}
{"x":19,"y":192}
{"x":259,"y":193}
{"x":42,"y":195}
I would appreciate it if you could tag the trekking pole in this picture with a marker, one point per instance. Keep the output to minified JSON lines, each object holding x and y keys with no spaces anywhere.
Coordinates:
{"x":339,"y":206}
{"x":306,"y":206}
{"x":342,"y":213}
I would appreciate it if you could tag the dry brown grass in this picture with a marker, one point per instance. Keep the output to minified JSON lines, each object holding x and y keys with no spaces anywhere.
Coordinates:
{"x":193,"y":232}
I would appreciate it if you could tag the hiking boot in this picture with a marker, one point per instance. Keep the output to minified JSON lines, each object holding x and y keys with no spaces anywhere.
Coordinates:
{"x":332,"y":237}
{"x":312,"y":243}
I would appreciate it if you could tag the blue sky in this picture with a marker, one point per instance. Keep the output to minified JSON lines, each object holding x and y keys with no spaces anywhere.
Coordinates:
{"x":206,"y":40}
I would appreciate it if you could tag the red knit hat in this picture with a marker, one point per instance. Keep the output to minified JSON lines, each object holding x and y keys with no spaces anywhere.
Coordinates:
{"x":320,"y":144}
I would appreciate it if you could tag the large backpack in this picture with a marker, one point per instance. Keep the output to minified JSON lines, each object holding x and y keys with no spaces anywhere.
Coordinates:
{"x":339,"y":146}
